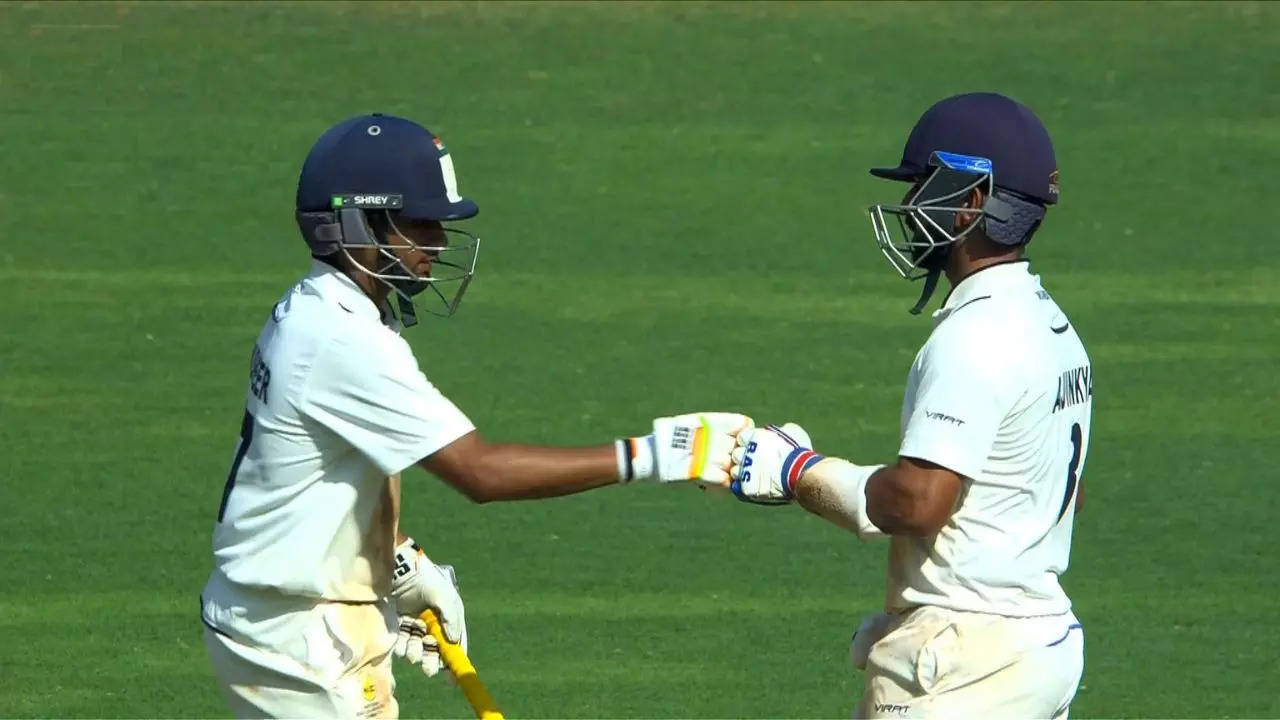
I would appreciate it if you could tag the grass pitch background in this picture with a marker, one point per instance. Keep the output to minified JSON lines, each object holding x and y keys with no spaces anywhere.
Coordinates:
{"x":672,"y":219}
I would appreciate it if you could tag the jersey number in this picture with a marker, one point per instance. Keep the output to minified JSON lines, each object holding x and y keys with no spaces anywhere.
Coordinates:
{"x":246,"y":436}
{"x":1073,"y":468}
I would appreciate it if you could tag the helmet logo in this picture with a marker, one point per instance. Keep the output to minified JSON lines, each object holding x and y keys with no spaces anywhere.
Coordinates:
{"x":374,"y":130}
{"x":367,"y":201}
{"x":956,"y":161}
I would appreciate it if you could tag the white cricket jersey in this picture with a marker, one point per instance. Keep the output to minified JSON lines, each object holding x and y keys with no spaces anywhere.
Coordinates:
{"x":1001,"y":394}
{"x":336,"y":403}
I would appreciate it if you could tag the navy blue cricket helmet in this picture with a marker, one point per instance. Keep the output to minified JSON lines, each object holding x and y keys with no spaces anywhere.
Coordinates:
{"x":383,"y":154}
{"x":972,"y":141}
{"x":366,"y":173}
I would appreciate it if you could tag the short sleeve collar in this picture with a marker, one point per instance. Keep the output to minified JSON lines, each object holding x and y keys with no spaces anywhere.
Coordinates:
{"x":983,"y":284}
{"x":333,"y":285}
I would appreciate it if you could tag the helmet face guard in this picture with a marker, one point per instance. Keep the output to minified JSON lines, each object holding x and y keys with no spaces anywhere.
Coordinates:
{"x":453,"y":262}
{"x":916,"y":243}
{"x":348,"y":227}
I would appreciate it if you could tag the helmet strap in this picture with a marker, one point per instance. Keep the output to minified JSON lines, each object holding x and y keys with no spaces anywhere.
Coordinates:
{"x":408,"y":316}
{"x":930,"y":283}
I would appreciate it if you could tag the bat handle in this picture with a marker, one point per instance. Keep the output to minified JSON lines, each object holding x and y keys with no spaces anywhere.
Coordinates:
{"x":455,"y":658}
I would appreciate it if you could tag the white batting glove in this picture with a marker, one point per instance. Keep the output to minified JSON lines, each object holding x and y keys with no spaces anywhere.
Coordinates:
{"x":417,"y":646}
{"x":420,"y":584}
{"x":692,"y":447}
{"x":768,"y":461}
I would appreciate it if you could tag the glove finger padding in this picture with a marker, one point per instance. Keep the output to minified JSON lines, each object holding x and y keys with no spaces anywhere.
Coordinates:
{"x":402,"y":642}
{"x":696,"y":446}
{"x":409,"y":639}
{"x":416,"y":646}
{"x":414,"y":650}
{"x":431,"y":662}
{"x":719,"y":461}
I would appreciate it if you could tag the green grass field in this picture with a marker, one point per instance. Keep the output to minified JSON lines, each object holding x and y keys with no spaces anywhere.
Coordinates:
{"x":672,"y":202}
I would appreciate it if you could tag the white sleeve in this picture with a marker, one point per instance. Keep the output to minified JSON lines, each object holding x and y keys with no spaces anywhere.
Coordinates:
{"x":958,"y":406}
{"x":369,"y":391}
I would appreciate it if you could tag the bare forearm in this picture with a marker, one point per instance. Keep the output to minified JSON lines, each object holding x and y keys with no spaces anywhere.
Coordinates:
{"x":827,"y":502}
{"x":913,"y":497}
{"x":521,"y":472}
{"x":835,"y":490}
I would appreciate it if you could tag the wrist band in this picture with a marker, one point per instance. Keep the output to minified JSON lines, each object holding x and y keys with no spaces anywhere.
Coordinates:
{"x":643,"y":451}
{"x":635,"y":458}
{"x":795,"y":465}
{"x":626,"y":470}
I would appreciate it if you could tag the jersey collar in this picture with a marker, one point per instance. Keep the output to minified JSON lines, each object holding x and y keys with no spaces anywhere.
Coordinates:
{"x":982,"y":283}
{"x":333,"y":285}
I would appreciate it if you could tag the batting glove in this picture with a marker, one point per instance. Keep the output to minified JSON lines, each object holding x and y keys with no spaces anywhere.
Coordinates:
{"x":418,"y":585}
{"x":692,"y":447}
{"x":768,"y":461}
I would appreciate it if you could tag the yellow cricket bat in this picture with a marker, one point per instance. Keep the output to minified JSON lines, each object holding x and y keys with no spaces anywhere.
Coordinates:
{"x":460,"y":665}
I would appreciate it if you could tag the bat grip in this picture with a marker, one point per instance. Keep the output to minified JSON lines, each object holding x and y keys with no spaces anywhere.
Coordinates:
{"x":455,"y":658}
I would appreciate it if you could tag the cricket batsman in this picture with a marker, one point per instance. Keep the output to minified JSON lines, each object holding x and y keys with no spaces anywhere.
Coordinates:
{"x":314,"y":586}
{"x":978,"y":507}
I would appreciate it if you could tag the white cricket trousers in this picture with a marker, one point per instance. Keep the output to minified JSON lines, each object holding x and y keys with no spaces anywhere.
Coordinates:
{"x":932,"y":662}
{"x":331,"y":660}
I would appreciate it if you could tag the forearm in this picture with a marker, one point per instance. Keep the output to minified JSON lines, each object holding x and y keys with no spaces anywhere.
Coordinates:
{"x":693,"y":446}
{"x":913,"y":497}
{"x":881,"y":504}
{"x":836,"y":491}
{"x":523,"y":472}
